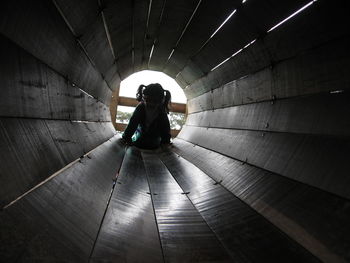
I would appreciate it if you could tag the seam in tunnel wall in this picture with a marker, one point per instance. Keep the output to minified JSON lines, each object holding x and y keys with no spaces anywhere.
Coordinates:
{"x":33,"y":149}
{"x":294,"y":207}
{"x":31,"y":89}
{"x":318,"y":70}
{"x":321,"y":27}
{"x":314,"y":160}
{"x":281,"y":104}
{"x":53,"y":43}
{"x":54,"y":102}
{"x":62,"y":217}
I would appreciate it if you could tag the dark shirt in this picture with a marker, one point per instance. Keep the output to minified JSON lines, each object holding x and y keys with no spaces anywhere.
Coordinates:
{"x":149,"y":135}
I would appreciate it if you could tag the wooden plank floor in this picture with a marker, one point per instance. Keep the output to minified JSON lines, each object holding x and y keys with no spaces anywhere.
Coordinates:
{"x":162,"y":208}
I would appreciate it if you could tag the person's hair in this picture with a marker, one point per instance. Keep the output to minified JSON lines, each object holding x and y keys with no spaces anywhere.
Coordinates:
{"x":156,"y":92}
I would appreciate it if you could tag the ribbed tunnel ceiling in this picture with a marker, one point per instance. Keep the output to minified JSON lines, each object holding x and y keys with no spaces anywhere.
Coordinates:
{"x":115,"y":39}
{"x":259,"y":173}
{"x":119,"y":38}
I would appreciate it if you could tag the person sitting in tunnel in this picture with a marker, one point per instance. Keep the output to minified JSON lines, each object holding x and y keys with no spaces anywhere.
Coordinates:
{"x":149,"y":125}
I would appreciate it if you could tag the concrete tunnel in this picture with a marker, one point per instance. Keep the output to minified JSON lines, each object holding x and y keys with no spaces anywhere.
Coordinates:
{"x":259,"y":172}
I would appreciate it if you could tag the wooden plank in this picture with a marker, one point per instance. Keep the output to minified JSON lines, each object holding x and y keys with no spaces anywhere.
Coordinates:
{"x":51,"y":223}
{"x":32,"y":150}
{"x":31,"y":89}
{"x":247,"y":24}
{"x":298,"y":42}
{"x":317,"y":220}
{"x":80,"y":14}
{"x":89,"y":28}
{"x":325,"y":114}
{"x":209,"y":13}
{"x":39,"y":29}
{"x":155,"y":10}
{"x":227,"y":216}
{"x":175,"y":17}
{"x":310,"y":159}
{"x":184,"y":235}
{"x":119,"y":19}
{"x":96,"y":43}
{"x":129,"y":231}
{"x":140,"y":23}
{"x":131,"y":102}
{"x":325,"y":65}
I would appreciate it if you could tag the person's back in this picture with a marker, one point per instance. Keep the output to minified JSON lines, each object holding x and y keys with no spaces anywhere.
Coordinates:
{"x":149,"y":126}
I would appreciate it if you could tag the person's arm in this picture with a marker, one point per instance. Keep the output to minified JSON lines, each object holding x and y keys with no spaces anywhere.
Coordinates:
{"x":133,"y":123}
{"x":165,"y":129}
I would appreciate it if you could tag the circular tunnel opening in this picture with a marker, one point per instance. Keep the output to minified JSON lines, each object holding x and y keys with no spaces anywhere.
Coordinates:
{"x":125,"y":99}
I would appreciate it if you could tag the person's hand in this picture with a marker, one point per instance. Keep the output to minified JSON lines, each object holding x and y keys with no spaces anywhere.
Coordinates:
{"x":166,"y":146}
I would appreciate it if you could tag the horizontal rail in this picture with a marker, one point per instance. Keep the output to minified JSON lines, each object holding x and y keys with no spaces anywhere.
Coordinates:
{"x":131,"y":102}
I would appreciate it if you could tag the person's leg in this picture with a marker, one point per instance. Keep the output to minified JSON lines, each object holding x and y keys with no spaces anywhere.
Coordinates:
{"x":147,"y":143}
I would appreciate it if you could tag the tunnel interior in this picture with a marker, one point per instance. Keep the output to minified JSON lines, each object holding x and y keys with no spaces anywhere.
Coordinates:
{"x":259,"y":172}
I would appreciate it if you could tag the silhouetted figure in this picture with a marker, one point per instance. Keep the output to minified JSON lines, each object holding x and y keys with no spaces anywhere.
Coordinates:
{"x":149,"y":125}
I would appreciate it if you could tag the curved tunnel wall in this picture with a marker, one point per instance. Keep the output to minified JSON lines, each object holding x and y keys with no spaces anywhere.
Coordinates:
{"x":270,"y":124}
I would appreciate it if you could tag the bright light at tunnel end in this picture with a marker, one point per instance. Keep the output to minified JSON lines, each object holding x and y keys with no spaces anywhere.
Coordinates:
{"x":128,"y":86}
